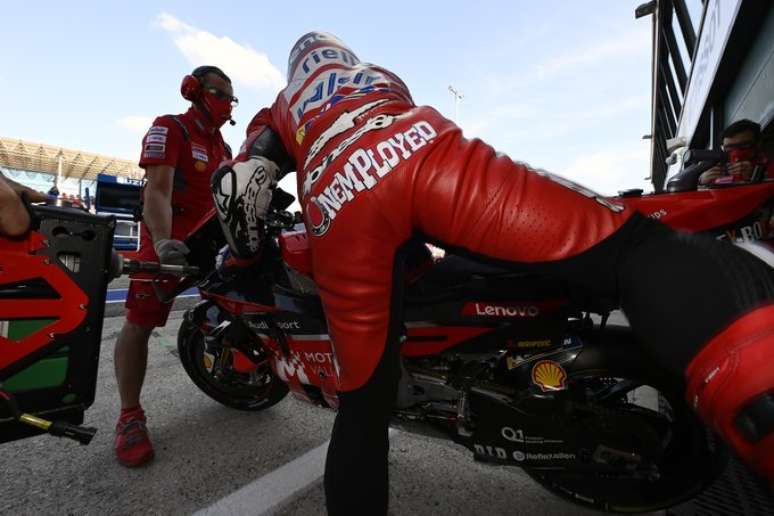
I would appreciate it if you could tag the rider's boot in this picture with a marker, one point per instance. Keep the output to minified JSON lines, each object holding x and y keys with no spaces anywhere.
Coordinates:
{"x":731,"y":386}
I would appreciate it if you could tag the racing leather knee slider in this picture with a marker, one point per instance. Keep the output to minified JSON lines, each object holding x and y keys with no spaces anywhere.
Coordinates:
{"x":731,"y":386}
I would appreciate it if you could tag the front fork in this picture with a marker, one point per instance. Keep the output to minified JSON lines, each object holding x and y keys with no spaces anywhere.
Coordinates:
{"x":226,"y":338}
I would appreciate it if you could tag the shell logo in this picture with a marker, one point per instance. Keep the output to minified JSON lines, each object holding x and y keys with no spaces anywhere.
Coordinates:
{"x":549,"y":376}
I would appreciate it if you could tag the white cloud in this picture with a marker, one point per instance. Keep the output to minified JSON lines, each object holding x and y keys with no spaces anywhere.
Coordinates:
{"x":135,"y":123}
{"x":614,"y":107}
{"x":608,"y":171}
{"x":636,"y":41}
{"x":539,"y":121}
{"x":602,"y":58}
{"x":242,"y":63}
{"x":592,"y":116}
{"x":513,"y":113}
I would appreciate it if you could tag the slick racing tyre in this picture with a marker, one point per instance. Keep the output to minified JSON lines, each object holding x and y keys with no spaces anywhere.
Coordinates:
{"x":212,"y":370}
{"x":627,"y":405}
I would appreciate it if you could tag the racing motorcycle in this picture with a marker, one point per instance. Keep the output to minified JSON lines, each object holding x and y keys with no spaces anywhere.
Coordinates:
{"x":522,"y":370}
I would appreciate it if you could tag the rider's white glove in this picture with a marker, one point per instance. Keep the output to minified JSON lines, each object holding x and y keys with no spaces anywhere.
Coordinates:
{"x":242,"y":192}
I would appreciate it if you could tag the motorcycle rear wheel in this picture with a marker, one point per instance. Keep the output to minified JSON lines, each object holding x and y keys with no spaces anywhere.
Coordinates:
{"x":249,"y":392}
{"x":692,"y":456}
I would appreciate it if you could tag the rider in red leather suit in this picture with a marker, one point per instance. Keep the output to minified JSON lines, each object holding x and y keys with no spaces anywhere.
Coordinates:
{"x":375,"y":171}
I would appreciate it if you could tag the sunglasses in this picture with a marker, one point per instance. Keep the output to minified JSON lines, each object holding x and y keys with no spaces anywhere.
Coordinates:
{"x":220,"y":95}
{"x":739,"y":146}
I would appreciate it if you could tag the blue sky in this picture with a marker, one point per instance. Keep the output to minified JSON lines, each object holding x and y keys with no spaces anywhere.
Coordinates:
{"x":562,"y":85}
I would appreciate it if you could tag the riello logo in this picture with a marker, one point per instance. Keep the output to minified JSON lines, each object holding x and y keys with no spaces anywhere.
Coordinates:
{"x":501,"y":310}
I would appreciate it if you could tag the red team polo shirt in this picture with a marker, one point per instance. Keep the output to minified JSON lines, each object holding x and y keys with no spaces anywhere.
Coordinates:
{"x":195,"y":153}
{"x":194,"y":162}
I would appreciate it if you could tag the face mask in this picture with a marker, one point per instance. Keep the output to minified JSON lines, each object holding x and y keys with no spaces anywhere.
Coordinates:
{"x":741,"y":153}
{"x":218,"y":105}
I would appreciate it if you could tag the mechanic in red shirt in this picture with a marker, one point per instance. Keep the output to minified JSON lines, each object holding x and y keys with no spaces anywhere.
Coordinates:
{"x":179,"y":155}
{"x":375,"y":171}
{"x":746,"y":159}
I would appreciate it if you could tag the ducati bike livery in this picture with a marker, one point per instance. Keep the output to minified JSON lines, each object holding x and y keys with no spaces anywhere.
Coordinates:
{"x":522,"y":370}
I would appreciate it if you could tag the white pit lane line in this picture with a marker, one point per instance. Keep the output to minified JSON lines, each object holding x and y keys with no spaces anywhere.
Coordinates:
{"x":274,"y":489}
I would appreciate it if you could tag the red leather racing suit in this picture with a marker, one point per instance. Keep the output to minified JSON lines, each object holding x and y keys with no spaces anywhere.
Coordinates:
{"x":374,"y":170}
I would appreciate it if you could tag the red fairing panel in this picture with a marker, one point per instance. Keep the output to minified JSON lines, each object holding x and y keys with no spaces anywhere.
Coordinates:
{"x":311,"y":362}
{"x":296,"y":252}
{"x":236,"y":306}
{"x":703,"y":209}
{"x":422,"y":340}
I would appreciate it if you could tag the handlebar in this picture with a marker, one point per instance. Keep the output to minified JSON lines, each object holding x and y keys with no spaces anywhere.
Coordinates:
{"x":279,"y":220}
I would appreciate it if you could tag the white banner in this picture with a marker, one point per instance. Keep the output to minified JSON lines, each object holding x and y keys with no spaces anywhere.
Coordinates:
{"x":716,"y":27}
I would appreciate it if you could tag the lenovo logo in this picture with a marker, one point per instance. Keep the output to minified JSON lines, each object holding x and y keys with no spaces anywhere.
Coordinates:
{"x":501,"y":310}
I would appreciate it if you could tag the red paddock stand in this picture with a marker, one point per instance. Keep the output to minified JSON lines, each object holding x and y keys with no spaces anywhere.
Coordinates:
{"x":52,"y":298}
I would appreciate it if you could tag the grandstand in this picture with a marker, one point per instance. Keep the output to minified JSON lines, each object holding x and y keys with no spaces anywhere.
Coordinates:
{"x":42,"y":166}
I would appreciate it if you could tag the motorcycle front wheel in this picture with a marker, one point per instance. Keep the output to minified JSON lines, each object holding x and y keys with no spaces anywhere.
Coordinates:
{"x":212,"y":370}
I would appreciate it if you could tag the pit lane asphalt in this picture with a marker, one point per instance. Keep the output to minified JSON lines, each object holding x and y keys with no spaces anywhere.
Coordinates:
{"x":205,"y":452}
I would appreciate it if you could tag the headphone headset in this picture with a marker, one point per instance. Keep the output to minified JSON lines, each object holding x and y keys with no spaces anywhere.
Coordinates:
{"x":191,"y":87}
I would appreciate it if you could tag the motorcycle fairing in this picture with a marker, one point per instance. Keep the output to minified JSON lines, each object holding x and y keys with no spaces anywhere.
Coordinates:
{"x":545,"y":441}
{"x":437,"y":318}
{"x":296,"y":252}
{"x":757,"y":226}
{"x":702,"y":210}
